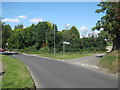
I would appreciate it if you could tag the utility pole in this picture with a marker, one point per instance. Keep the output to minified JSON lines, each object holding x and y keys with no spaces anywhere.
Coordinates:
{"x":54,"y":38}
{"x":54,"y":35}
{"x":63,"y":48}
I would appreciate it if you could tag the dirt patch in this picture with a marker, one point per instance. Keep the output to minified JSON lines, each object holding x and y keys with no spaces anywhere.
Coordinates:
{"x":2,"y":68}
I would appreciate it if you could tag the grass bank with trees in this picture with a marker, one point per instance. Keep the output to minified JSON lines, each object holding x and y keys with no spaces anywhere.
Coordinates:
{"x":16,"y":74}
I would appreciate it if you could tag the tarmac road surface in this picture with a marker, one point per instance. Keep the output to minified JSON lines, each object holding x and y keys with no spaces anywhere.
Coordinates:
{"x":49,"y":73}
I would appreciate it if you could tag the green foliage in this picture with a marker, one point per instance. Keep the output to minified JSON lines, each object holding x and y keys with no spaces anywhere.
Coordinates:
{"x":26,"y":38}
{"x":93,"y":44}
{"x":19,"y":26}
{"x":73,"y":37}
{"x":6,"y":32}
{"x":21,"y":38}
{"x":30,"y":48}
{"x":40,"y":38}
{"x":45,"y":49}
{"x":44,"y":33}
{"x":16,"y":40}
{"x":110,"y":22}
{"x":74,"y":32}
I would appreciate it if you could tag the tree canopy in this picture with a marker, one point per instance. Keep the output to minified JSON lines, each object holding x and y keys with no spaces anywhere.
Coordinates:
{"x":40,"y":37}
{"x":110,"y":23}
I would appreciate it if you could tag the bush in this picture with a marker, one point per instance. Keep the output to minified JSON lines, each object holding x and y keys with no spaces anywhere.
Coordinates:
{"x":30,"y":49}
{"x":45,"y":49}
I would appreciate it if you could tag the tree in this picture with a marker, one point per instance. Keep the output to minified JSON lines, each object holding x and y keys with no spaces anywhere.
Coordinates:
{"x":93,"y":43}
{"x":49,"y":35}
{"x":42,"y":33}
{"x":19,"y":26}
{"x":22,"y":38}
{"x":1,"y":25}
{"x":72,"y":36}
{"x":16,"y":40}
{"x":110,"y":22}
{"x":6,"y":32}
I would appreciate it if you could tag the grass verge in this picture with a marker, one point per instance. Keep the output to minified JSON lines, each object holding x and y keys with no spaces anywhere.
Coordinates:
{"x":63,"y":56}
{"x":16,"y":74}
{"x":110,"y":61}
{"x":0,"y":71}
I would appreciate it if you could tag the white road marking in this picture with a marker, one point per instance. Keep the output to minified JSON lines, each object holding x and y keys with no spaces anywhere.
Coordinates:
{"x":82,"y":64}
{"x":36,"y":85}
{"x":86,"y":65}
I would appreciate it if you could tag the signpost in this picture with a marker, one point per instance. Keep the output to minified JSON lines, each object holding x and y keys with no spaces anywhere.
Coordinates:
{"x":6,"y":46}
{"x":64,"y":46}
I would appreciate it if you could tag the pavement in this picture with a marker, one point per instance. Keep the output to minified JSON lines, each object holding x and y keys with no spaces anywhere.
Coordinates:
{"x":91,"y":61}
{"x":50,"y":73}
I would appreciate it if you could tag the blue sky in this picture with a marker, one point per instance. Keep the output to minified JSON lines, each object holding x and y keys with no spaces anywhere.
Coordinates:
{"x":80,"y":14}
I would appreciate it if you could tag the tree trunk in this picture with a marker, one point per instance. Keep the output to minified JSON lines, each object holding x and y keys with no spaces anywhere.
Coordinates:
{"x":116,"y":43}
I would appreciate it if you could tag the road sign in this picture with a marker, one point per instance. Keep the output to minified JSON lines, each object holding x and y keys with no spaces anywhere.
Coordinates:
{"x":66,"y":42}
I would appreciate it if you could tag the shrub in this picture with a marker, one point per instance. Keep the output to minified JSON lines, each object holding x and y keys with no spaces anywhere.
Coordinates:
{"x":45,"y":49}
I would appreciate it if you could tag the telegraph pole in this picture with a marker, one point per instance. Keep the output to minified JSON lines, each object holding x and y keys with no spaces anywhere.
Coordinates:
{"x":54,"y":35}
{"x":54,"y":38}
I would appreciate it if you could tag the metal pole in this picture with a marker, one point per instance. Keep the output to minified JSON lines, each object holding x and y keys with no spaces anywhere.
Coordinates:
{"x":54,"y":38}
{"x":63,"y":48}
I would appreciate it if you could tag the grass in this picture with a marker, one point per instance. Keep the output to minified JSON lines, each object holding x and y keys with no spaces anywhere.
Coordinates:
{"x":0,"y":58}
{"x":63,"y":56}
{"x":35,"y":53}
{"x":110,"y":44}
{"x":110,"y":61}
{"x":16,"y":74}
{"x":0,"y":70}
{"x":82,"y":52}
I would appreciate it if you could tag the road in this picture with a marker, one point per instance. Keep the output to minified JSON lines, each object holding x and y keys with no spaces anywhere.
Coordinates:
{"x":91,"y":61}
{"x":56,"y":74}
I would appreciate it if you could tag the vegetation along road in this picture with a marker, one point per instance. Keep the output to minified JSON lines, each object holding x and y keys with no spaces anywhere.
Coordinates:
{"x":50,"y":73}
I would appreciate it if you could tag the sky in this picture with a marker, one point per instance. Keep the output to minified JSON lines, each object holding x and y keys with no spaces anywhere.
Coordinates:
{"x":80,"y":14}
{"x":53,"y":0}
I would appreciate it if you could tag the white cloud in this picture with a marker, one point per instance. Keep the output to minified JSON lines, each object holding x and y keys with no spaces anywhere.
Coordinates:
{"x":36,"y":20}
{"x":22,"y":17}
{"x":83,"y":28}
{"x":93,"y":33}
{"x":96,"y":32}
{"x":11,"y":20}
{"x":83,"y":31}
{"x":24,"y":27}
{"x":67,"y":25}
